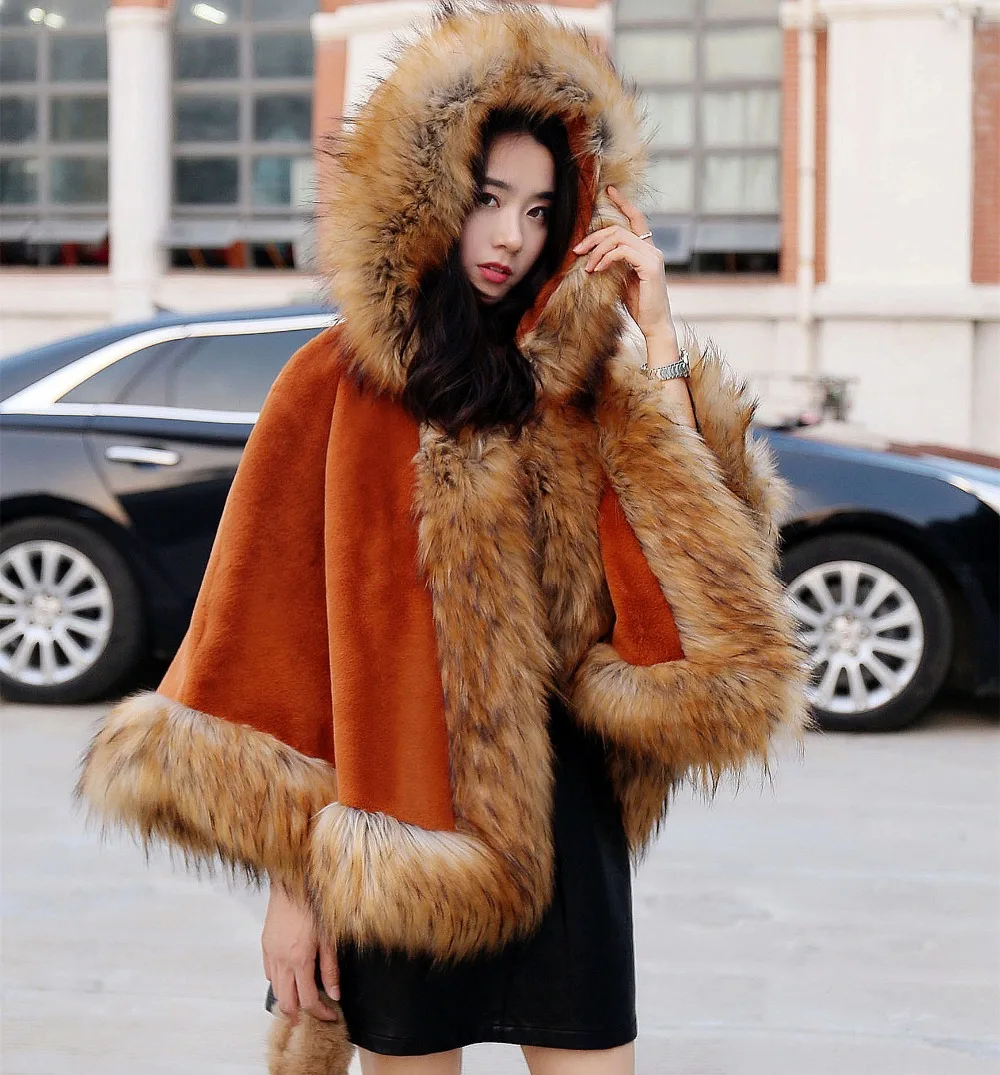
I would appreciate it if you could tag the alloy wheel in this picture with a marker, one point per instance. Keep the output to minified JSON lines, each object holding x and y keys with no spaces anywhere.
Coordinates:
{"x":863,"y":631}
{"x":56,"y":613}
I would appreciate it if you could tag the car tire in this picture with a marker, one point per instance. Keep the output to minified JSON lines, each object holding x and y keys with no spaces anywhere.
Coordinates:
{"x":71,"y":616}
{"x":878,"y":627}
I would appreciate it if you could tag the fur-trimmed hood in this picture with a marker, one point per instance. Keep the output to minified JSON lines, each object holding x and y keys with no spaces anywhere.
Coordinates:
{"x":403,"y":184}
{"x":359,"y":707}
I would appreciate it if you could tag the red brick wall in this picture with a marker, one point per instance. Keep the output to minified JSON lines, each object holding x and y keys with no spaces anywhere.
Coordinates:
{"x":985,"y":267}
{"x":790,"y":157}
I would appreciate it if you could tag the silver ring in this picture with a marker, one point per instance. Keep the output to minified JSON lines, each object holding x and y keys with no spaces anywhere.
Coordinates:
{"x":646,"y":235}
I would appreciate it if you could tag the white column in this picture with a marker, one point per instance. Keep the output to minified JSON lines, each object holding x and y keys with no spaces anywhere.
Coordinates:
{"x":900,"y":142}
{"x":139,"y":154}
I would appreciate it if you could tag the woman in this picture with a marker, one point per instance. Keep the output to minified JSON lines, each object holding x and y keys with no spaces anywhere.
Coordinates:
{"x":482,"y":595}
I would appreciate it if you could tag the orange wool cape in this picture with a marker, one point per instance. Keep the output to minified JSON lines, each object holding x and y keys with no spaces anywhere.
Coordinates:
{"x":359,"y":705}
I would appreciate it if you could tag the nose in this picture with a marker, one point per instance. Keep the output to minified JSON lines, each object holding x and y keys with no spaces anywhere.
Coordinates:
{"x":508,"y":234}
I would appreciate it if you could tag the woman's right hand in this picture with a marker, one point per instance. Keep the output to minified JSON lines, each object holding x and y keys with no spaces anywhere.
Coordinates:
{"x":290,"y":942}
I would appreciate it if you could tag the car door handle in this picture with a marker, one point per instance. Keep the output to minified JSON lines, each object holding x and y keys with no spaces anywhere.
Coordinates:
{"x":133,"y":453}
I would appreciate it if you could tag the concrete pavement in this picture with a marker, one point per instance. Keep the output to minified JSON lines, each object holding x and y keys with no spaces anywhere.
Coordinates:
{"x":843,"y":921}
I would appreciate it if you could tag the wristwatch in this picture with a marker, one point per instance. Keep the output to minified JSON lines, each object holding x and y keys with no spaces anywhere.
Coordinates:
{"x":680,"y":368}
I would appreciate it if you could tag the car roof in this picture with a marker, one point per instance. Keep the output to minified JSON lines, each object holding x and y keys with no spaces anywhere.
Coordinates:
{"x":23,"y":368}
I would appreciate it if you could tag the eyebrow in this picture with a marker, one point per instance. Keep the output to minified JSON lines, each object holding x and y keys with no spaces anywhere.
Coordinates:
{"x":547,"y":195}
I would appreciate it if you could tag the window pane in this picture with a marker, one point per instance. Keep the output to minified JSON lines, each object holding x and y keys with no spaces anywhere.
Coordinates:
{"x":108,"y":385}
{"x":18,"y":59}
{"x":77,"y":180}
{"x":18,"y":181}
{"x":722,"y":190}
{"x":282,"y":118}
{"x":78,"y":119}
{"x":216,"y":13}
{"x":742,"y":9}
{"x":754,"y":53}
{"x":664,"y":56}
{"x":206,"y":181}
{"x":671,"y":182}
{"x":234,"y":373}
{"x":206,"y":119}
{"x":761,"y":185}
{"x":672,"y":116}
{"x":741,"y":117}
{"x":79,"y":58}
{"x":741,"y":184}
{"x":655,"y":9}
{"x":283,"y":55}
{"x":286,"y":10}
{"x":15,"y":12}
{"x":213,"y":56}
{"x":18,"y":119}
{"x":282,"y":181}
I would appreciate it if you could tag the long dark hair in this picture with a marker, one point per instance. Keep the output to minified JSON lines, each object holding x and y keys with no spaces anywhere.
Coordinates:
{"x":466,"y":368}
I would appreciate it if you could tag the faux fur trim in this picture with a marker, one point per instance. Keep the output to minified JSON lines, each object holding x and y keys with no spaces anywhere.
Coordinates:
{"x":452,"y":894}
{"x":724,"y":407}
{"x":378,"y":881}
{"x":743,"y":674}
{"x":497,"y":670}
{"x":402,"y":184}
{"x":219,"y":792}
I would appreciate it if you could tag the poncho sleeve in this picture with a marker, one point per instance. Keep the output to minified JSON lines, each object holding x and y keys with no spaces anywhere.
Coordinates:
{"x":232,"y":756}
{"x":703,"y":665}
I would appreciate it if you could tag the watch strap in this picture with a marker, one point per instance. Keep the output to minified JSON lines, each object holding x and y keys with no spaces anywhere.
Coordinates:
{"x":680,"y":368}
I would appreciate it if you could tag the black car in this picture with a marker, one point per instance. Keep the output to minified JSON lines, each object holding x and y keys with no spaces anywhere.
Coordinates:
{"x":118,"y":449}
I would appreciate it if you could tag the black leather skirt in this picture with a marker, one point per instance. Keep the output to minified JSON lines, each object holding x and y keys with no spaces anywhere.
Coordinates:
{"x":570,"y":985}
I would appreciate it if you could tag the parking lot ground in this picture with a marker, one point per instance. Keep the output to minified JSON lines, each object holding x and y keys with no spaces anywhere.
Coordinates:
{"x":843,"y":919}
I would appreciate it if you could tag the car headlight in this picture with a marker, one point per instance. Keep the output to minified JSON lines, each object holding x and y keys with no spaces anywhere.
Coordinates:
{"x":984,"y":491}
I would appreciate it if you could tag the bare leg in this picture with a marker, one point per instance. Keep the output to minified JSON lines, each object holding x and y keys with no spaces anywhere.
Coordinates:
{"x":449,"y":1063}
{"x":619,"y":1061}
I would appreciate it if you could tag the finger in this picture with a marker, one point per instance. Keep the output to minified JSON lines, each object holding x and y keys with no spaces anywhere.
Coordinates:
{"x":329,"y":971}
{"x":637,"y":222}
{"x":305,"y":979}
{"x":641,"y":255}
{"x":287,"y":994}
{"x":595,"y":237}
{"x":619,"y":237}
{"x":599,"y":251}
{"x":621,"y":253}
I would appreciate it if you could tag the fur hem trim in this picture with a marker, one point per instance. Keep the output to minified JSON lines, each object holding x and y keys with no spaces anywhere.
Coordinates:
{"x":219,"y":792}
{"x":377,"y":881}
{"x":699,"y":719}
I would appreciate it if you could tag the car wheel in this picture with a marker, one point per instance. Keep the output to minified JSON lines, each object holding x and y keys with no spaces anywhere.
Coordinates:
{"x":877,"y":627}
{"x":71,"y":624}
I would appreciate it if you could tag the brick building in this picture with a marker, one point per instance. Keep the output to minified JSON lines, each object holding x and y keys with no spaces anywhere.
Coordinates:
{"x":825,"y":179}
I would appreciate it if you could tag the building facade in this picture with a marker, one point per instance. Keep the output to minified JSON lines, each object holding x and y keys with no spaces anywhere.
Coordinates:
{"x":824,"y":180}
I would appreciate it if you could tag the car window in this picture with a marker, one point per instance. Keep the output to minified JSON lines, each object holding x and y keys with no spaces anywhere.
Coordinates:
{"x":17,"y":371}
{"x":111,"y":384}
{"x":232,"y":373}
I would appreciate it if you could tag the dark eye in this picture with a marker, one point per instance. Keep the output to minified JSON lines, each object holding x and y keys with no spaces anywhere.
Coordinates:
{"x":540,"y":212}
{"x":485,"y":198}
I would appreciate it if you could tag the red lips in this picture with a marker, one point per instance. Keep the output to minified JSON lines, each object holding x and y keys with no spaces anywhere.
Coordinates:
{"x":494,"y":272}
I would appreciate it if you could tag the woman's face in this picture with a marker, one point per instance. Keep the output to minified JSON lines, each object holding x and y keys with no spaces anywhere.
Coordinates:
{"x":507,"y":229}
